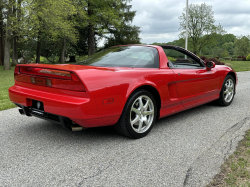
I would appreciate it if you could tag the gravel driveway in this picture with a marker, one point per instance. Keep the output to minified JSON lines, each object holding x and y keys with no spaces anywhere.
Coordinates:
{"x":185,"y":149}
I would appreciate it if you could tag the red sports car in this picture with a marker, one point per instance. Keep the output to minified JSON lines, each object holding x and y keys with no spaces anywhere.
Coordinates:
{"x":125,"y":86}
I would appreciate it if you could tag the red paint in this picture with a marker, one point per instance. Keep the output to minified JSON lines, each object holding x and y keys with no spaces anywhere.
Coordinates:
{"x":106,"y":90}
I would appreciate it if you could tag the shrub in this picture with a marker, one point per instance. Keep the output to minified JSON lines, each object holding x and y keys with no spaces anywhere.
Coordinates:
{"x":172,"y":59}
{"x":244,"y":58}
{"x":234,"y":59}
{"x":203,"y":57}
{"x":43,"y":60}
{"x":239,"y":59}
{"x":215,"y":61}
{"x":248,"y":58}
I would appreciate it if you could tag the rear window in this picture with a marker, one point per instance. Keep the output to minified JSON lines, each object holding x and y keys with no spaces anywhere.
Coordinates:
{"x":124,"y":56}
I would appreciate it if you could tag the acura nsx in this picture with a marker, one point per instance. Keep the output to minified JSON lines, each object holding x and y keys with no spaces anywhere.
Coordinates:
{"x":126,"y":86}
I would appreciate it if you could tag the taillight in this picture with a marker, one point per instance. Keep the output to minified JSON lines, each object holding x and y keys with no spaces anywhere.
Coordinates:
{"x":75,"y":85}
{"x":48,"y":72}
{"x":16,"y":70}
{"x":49,"y":78}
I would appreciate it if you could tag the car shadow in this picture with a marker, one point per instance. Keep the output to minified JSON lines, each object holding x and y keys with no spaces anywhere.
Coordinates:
{"x":50,"y":131}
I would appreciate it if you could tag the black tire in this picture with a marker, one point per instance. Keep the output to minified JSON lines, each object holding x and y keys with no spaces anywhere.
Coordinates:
{"x":227,"y":91}
{"x":137,"y":122}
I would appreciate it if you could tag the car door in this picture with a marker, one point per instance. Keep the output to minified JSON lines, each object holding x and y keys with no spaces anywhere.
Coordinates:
{"x":195,"y":83}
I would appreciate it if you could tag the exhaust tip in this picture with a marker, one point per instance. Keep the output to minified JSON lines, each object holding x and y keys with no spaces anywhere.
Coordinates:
{"x":76,"y":127}
{"x":71,"y":125}
{"x":21,"y":111}
{"x":79,"y":128}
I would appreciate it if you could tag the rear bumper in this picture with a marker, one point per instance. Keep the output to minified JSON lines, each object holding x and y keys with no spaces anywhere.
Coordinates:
{"x":60,"y":107}
{"x":28,"y":111}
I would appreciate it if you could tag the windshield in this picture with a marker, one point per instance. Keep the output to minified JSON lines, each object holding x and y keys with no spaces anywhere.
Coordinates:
{"x":125,"y":56}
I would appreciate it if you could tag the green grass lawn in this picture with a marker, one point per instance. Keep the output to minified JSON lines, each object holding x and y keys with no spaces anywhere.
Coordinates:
{"x":6,"y":81}
{"x":239,"y":65}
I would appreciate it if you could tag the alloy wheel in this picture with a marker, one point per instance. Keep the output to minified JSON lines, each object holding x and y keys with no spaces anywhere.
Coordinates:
{"x":142,"y":114}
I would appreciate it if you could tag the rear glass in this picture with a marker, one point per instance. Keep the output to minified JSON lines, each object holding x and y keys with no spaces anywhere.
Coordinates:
{"x":124,"y":56}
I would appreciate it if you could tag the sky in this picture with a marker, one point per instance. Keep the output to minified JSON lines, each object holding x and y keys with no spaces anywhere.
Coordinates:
{"x":159,"y":22}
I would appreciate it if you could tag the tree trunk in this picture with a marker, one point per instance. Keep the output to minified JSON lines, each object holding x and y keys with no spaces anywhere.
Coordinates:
{"x":62,"y":58}
{"x":91,"y":40}
{"x":1,"y":36}
{"x":14,"y":49}
{"x":8,"y":38}
{"x":91,"y":34}
{"x":7,"y":48}
{"x":38,"y":50}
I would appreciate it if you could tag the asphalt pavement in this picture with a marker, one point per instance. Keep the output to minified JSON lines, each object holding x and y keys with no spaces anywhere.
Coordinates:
{"x":186,"y":149}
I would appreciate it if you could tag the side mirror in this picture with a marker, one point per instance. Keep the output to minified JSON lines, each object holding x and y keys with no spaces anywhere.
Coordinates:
{"x":210,"y":65}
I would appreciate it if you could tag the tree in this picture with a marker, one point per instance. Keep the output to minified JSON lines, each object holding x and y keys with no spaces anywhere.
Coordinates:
{"x":16,"y":31}
{"x":224,"y":54}
{"x":201,"y":29}
{"x":125,"y":33}
{"x":180,"y":42}
{"x":53,"y":19}
{"x":103,"y":16}
{"x":1,"y":34}
{"x":109,"y":19}
{"x":7,"y":46}
{"x":228,"y":46}
{"x":242,"y":45}
{"x":56,"y":28}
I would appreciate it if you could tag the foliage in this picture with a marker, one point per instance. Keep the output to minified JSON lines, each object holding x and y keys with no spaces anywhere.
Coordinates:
{"x":113,"y":25}
{"x":203,"y":57}
{"x":201,"y":29}
{"x":216,"y":51}
{"x":180,"y":42}
{"x":124,"y":33}
{"x":51,"y":18}
{"x":156,"y":43}
{"x":81,"y":47}
{"x":57,"y":28}
{"x":217,"y":62}
{"x":172,"y":59}
{"x":224,"y":54}
{"x":242,"y":45}
{"x":229,"y":47}
{"x":248,"y":57}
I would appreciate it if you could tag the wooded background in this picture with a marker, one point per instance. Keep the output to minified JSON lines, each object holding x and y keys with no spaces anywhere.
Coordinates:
{"x":53,"y":30}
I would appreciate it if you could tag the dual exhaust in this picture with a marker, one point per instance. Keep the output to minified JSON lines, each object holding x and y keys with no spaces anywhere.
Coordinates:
{"x":65,"y":122}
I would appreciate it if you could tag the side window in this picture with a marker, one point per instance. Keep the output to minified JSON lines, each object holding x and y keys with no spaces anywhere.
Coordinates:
{"x":181,"y":60}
